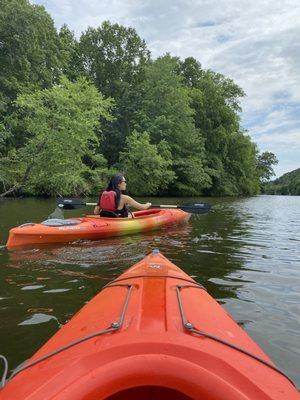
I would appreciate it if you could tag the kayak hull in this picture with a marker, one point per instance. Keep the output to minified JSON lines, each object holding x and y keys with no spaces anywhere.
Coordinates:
{"x":140,"y":338}
{"x":93,"y":228}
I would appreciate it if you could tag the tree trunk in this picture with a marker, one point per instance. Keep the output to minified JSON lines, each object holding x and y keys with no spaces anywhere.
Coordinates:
{"x":11,"y":190}
{"x":26,"y":174}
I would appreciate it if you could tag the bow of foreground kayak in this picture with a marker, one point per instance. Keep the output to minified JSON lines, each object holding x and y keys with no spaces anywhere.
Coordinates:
{"x":91,"y":227}
{"x":153,"y":333}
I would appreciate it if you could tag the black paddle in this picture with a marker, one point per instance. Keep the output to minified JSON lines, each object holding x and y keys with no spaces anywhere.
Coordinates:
{"x":197,"y":208}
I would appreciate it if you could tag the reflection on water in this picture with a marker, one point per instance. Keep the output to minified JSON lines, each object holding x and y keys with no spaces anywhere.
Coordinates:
{"x":246,"y":253}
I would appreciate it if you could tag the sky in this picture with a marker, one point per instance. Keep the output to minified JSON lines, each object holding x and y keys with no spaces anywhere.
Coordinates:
{"x":256,"y":43}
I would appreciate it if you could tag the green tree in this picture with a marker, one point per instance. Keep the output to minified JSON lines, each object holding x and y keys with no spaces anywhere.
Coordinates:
{"x":165,"y":113}
{"x":230,"y":153}
{"x":113,"y":57}
{"x":62,"y":123}
{"x":30,"y":60}
{"x":265,"y":162}
{"x":69,"y":53}
{"x":240,"y":164}
{"x":191,"y":71}
{"x":29,"y":49}
{"x":147,"y":166}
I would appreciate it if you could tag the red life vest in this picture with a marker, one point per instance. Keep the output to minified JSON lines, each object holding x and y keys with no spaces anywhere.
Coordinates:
{"x":108,"y":201}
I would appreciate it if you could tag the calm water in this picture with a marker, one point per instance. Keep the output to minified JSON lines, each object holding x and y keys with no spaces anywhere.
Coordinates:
{"x":246,"y":252}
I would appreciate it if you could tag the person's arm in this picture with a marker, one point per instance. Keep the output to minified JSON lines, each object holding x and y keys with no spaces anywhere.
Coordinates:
{"x":97,"y":210}
{"x":135,"y":204}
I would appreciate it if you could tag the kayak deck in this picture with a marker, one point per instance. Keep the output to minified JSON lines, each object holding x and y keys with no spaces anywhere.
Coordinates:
{"x":151,"y":333}
{"x":92,"y":227}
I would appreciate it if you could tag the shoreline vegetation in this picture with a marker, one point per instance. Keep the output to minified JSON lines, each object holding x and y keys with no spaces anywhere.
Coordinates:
{"x":73,"y":111}
{"x":287,"y":184}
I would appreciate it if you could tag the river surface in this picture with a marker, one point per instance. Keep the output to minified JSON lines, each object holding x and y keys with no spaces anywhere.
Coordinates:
{"x":246,"y":252}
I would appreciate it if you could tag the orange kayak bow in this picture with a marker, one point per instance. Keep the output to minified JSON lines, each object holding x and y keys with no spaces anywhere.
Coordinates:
{"x":153,"y":333}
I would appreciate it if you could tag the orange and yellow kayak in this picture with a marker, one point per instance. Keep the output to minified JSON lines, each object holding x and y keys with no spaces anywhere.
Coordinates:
{"x":153,"y":333}
{"x":92,"y":227}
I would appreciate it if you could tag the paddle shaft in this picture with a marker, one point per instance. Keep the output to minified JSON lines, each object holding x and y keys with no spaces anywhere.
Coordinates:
{"x":201,"y":208}
{"x":152,"y":206}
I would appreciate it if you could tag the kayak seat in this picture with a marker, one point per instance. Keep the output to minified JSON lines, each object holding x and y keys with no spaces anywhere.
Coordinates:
{"x":109,"y":214}
{"x":60,"y":222}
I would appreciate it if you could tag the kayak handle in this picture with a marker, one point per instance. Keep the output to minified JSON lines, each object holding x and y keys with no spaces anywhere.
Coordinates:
{"x":190,"y":328}
{"x":114,"y":326}
{"x":3,"y":379}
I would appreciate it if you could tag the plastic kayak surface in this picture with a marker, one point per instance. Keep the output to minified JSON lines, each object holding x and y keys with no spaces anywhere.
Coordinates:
{"x":92,"y":227}
{"x":153,"y":333}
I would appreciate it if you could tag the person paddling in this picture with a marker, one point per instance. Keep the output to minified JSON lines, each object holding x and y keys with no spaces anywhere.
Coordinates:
{"x":113,"y":203}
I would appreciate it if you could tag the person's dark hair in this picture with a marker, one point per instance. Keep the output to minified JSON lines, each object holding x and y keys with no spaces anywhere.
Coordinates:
{"x":113,"y":185}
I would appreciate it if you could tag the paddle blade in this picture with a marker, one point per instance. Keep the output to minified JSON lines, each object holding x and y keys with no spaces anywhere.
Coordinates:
{"x":70,"y":204}
{"x":198,"y":208}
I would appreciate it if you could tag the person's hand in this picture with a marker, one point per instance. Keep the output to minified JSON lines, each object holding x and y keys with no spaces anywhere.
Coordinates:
{"x":148,"y":205}
{"x":97,"y":210}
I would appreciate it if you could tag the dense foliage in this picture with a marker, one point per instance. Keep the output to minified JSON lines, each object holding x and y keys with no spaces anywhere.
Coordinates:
{"x":75,"y":111}
{"x":287,"y":184}
{"x":148,"y":165}
{"x":61,"y":122}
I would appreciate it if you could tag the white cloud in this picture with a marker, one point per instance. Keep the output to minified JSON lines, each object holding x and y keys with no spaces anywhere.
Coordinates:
{"x":256,"y":43}
{"x":281,"y":138}
{"x":283,"y":119}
